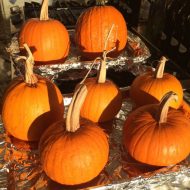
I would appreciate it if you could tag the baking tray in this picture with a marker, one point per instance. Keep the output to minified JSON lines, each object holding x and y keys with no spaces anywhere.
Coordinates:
{"x":21,"y":169}
{"x":20,"y":166}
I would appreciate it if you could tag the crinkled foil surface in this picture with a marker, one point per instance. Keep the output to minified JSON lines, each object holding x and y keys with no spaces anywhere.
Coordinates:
{"x":134,"y":54}
{"x":20,"y":168}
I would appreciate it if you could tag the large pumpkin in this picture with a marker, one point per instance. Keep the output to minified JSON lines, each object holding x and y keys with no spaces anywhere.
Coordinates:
{"x":92,"y":29}
{"x":47,"y":38}
{"x":104,"y":98}
{"x":150,"y":87}
{"x":157,"y":135}
{"x":73,"y":152}
{"x":31,"y":105}
{"x":185,"y":108}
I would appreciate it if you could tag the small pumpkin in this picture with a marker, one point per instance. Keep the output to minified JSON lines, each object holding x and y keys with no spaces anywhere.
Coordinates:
{"x":47,"y":38}
{"x":93,"y":26}
{"x":104,"y":98}
{"x":31,"y":105}
{"x":149,"y":88}
{"x":75,"y":151}
{"x":156,"y":134}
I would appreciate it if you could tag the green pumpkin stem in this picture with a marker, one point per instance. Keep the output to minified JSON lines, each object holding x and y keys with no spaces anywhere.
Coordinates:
{"x":44,"y":11}
{"x":164,"y":106}
{"x":159,"y":72}
{"x":73,"y":114}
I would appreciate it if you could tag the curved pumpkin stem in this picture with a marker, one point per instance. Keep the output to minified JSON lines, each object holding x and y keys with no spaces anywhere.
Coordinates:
{"x":91,"y":66}
{"x":164,"y":106}
{"x":160,"y":67}
{"x":73,"y":114}
{"x":30,"y":77}
{"x":44,"y":11}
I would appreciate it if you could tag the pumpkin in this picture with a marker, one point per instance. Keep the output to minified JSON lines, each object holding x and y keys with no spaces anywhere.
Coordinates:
{"x":47,"y":38}
{"x":31,"y":105}
{"x":75,"y":151}
{"x":185,"y":108}
{"x":149,"y":88}
{"x":104,"y":98}
{"x":92,"y":28}
{"x":156,"y":134}
{"x":10,"y":86}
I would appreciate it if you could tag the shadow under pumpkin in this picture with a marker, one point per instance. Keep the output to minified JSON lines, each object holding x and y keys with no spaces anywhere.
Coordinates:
{"x":38,"y":63}
{"x":89,"y":56}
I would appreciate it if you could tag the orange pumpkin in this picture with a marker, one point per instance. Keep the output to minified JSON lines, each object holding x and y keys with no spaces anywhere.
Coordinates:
{"x":104,"y":98}
{"x":30,"y":106}
{"x":92,"y":29}
{"x":185,"y":108}
{"x":157,"y":135}
{"x":150,"y":87}
{"x":73,"y":152}
{"x":47,"y":38}
{"x":10,"y":86}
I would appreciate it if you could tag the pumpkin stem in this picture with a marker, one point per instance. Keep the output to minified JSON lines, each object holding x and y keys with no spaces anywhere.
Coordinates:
{"x":44,"y":11}
{"x":102,"y":70}
{"x":160,"y":67}
{"x":101,"y":2}
{"x":91,"y":66}
{"x":30,"y":77}
{"x":73,"y":114}
{"x":108,"y":36}
{"x":164,"y":106}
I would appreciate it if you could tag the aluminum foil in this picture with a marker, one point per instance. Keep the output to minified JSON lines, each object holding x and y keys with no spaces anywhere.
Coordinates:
{"x":19,"y":161}
{"x":135,"y":53}
{"x":20,"y":166}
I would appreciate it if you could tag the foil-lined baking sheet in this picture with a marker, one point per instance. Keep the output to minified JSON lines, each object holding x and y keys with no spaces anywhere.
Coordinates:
{"x":20,"y":166}
{"x":129,"y":63}
{"x":135,"y":53}
{"x":19,"y":161}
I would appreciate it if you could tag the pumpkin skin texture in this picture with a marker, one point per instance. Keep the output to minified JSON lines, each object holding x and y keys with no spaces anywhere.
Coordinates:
{"x":27,"y":111}
{"x":185,"y":108}
{"x":157,"y":143}
{"x":73,"y":158}
{"x":74,"y":151}
{"x":47,"y":39}
{"x":92,"y":30}
{"x":149,"y":89}
{"x":10,"y":86}
{"x":102,"y":102}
